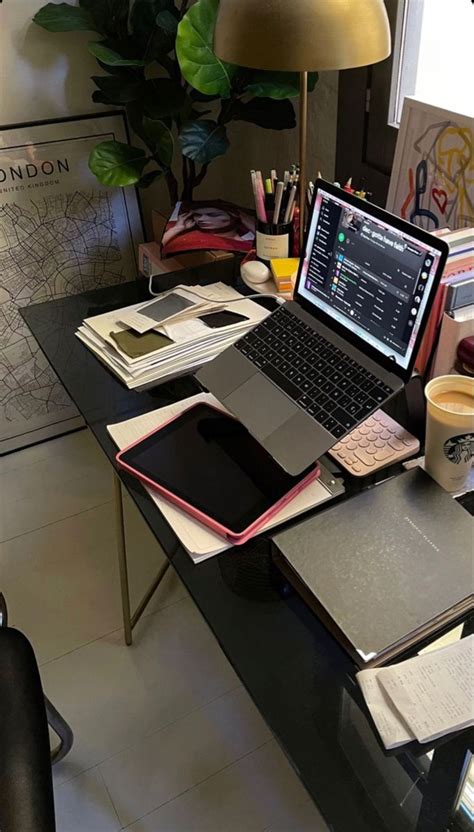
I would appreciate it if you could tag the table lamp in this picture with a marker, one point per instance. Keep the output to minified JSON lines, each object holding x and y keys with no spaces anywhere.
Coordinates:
{"x":302,"y":36}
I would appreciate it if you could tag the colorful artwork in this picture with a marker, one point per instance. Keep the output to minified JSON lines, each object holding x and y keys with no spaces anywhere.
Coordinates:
{"x":432,"y":181}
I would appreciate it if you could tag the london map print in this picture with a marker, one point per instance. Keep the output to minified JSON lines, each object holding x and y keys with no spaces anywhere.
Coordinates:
{"x":50,"y":247}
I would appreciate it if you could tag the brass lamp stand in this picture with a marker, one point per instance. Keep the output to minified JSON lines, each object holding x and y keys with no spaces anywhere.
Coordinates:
{"x":302,"y":36}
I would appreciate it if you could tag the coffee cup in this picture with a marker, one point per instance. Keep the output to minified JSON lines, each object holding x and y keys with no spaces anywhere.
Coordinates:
{"x":449,"y":449}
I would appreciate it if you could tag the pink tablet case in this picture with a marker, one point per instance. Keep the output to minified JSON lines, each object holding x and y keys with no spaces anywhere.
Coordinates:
{"x":228,"y":534}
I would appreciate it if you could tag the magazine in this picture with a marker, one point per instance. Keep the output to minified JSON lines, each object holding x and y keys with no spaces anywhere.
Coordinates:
{"x":206,"y":225}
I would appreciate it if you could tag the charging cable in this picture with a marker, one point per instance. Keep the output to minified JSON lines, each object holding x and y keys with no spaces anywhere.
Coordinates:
{"x":218,"y":301}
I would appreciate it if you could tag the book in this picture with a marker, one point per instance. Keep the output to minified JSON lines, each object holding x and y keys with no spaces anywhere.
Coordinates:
{"x":385,"y":569}
{"x":459,"y":266}
{"x":457,"y":325}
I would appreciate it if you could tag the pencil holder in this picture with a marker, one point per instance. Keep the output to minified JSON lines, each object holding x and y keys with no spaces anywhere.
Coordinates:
{"x":273,"y":240}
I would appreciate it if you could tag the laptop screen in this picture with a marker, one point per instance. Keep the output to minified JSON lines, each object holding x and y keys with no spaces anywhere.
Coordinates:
{"x":366,"y":274}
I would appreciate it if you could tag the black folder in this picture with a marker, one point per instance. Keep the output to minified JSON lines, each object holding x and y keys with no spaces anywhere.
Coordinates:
{"x":386,"y":569}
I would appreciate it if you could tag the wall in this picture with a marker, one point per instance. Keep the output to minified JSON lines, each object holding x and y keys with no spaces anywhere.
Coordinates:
{"x":252,"y":147}
{"x":42,"y":75}
{"x":45,"y":76}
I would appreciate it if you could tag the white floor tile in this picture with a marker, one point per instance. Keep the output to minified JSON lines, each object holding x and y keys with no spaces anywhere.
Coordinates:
{"x":53,"y":502}
{"x":245,"y":797}
{"x":112,"y":695}
{"x":83,"y":805}
{"x":71,"y":460}
{"x":183,"y":754}
{"x":62,"y":584}
{"x":72,"y":476}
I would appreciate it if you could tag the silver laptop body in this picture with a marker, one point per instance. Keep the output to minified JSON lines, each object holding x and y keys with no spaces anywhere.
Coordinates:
{"x":320,"y":364}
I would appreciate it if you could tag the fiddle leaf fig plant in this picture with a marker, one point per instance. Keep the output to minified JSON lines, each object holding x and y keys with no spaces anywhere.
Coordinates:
{"x":157,"y":62}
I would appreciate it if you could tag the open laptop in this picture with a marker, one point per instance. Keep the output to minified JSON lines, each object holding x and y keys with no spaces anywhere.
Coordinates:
{"x":320,"y":364}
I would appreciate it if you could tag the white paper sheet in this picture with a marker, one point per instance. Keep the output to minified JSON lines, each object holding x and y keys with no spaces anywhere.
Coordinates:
{"x":200,"y":541}
{"x":423,"y":698}
{"x":434,"y":692}
{"x":391,"y":727}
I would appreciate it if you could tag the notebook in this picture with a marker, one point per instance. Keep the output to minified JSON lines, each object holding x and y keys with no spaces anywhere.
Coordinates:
{"x":385,"y":569}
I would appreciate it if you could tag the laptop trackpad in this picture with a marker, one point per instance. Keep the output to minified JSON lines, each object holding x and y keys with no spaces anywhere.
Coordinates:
{"x":260,"y":406}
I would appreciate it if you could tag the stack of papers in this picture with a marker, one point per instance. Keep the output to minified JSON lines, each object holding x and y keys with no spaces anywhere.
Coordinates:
{"x":199,"y":540}
{"x":423,"y":698}
{"x":193,"y":341}
{"x":174,"y":306}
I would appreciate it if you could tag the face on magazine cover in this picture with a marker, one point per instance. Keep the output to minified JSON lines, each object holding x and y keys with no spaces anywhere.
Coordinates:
{"x":224,"y":222}
{"x":209,"y":224}
{"x":215,"y":220}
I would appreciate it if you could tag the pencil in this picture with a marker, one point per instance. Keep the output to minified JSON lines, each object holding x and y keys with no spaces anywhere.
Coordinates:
{"x":259,"y":204}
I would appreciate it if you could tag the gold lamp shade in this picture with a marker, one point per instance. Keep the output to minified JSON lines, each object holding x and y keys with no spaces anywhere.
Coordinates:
{"x":302,"y":35}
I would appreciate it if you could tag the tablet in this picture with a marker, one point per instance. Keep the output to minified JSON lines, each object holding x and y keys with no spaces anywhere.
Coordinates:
{"x":207,"y":463}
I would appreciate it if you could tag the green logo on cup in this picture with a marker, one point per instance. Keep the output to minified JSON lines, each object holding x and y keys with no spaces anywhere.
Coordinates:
{"x":459,"y":448}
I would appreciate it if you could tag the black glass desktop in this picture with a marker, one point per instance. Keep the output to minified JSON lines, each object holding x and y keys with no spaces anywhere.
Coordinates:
{"x":299,"y":677}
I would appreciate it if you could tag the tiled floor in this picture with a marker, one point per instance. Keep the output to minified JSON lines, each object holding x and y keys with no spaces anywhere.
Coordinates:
{"x":166,"y":738}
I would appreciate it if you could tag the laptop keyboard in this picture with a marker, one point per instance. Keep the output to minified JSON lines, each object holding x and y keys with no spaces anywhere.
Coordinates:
{"x":333,"y":388}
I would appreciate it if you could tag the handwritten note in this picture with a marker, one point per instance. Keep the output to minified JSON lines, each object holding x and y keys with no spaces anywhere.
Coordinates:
{"x":434,"y":692}
{"x":423,"y":698}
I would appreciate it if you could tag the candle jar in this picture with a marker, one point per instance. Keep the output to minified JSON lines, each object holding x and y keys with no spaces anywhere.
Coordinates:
{"x":274,"y":240}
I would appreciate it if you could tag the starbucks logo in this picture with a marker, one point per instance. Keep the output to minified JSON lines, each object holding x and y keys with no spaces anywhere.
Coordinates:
{"x":459,"y":448}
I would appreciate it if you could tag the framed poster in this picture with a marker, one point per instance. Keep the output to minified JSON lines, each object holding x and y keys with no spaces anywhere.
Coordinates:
{"x":432,"y":180}
{"x":61,"y":233}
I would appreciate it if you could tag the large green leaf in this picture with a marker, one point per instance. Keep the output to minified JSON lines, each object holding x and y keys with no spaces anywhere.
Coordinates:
{"x":167,"y":21}
{"x":278,"y":85}
{"x":62,"y":17}
{"x":266,"y":112}
{"x":119,"y":89}
{"x":159,"y":135}
{"x":110,"y":57}
{"x":203,"y":140}
{"x":163,"y":98}
{"x":110,"y":16}
{"x":117,"y":164}
{"x":153,"y":39}
{"x":199,"y":65}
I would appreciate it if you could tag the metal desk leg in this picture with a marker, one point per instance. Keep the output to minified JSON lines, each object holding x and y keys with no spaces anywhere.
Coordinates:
{"x":129,"y":620}
{"x":122,"y":559}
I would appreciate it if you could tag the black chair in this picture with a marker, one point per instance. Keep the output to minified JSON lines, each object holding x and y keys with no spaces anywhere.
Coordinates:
{"x":26,"y":788}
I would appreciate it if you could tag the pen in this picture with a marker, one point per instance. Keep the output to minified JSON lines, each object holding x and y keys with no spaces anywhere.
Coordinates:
{"x":273,"y":177}
{"x":268,"y":186}
{"x":291,"y":201}
{"x":278,"y":197}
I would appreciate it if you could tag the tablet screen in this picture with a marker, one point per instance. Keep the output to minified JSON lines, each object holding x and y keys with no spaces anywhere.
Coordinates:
{"x":211,"y":461}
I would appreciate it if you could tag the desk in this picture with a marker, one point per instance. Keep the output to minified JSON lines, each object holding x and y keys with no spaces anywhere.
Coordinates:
{"x":300,"y":679}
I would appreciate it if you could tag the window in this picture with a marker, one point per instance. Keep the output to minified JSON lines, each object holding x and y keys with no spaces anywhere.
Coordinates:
{"x":433,"y":55}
